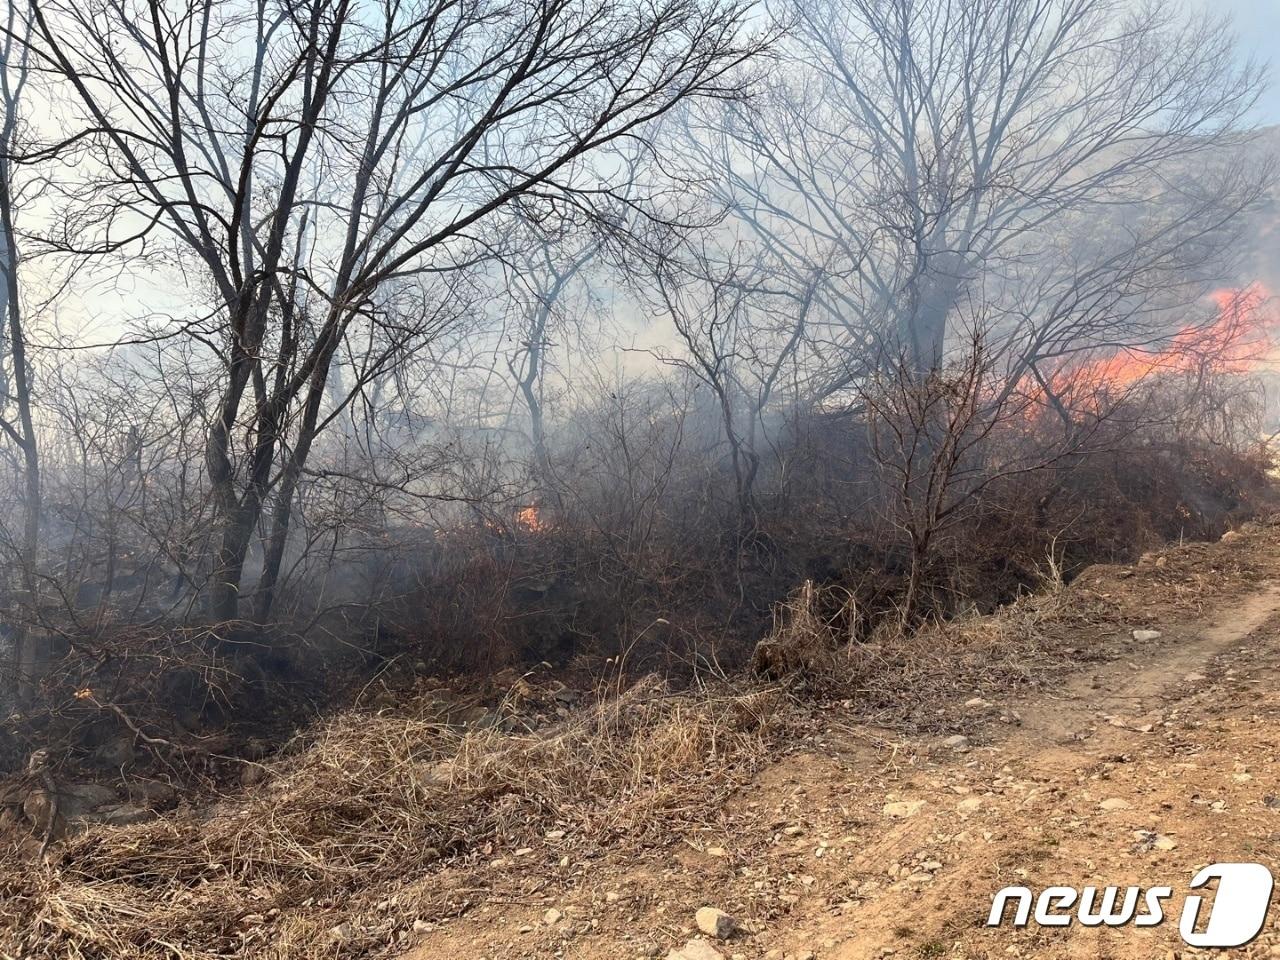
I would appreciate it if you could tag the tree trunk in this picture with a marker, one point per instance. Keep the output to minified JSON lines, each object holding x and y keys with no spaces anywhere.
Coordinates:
{"x":919,"y":560}
{"x":274,"y":548}
{"x":26,"y":653}
{"x":233,"y":547}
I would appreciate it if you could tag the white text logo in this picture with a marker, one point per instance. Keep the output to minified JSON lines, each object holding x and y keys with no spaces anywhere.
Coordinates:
{"x":1238,"y":912}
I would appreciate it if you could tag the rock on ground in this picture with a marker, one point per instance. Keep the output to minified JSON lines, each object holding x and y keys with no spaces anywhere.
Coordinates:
{"x":715,"y":923}
{"x":902,"y":809}
{"x":696,"y":950}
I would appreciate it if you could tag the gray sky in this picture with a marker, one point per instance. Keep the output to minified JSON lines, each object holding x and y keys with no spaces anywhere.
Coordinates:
{"x":1258,"y":24}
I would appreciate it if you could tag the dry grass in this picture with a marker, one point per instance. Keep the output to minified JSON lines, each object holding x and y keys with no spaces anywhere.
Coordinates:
{"x":378,"y":809}
{"x":810,"y":639}
{"x":915,"y":678}
{"x":900,"y":675}
{"x":372,"y":805}
{"x":907,"y":679}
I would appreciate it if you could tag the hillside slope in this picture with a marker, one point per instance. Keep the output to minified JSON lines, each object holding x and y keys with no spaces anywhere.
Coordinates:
{"x":1046,"y":744}
{"x":867,"y":842}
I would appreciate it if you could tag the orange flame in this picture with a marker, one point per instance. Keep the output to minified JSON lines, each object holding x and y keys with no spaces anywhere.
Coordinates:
{"x":1237,"y":340}
{"x":528,"y":518}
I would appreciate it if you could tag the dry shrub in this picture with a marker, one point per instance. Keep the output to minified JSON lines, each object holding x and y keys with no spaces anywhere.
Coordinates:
{"x":182,"y":687}
{"x":911,"y":677}
{"x":371,"y":805}
{"x":811,"y":639}
{"x":903,"y":676}
{"x":375,"y":807}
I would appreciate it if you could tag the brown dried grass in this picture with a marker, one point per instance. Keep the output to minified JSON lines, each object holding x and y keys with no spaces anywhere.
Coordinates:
{"x":378,"y":808}
{"x":898,"y":674}
{"x":373,"y":804}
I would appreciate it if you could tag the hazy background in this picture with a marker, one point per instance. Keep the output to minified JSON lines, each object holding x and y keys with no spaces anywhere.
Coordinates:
{"x":1258,"y":23}
{"x":106,"y":299}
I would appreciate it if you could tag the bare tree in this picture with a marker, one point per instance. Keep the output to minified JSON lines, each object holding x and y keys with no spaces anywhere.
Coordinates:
{"x":547,"y":277}
{"x":17,"y":419}
{"x":741,"y":332}
{"x":944,"y":442}
{"x":1068,"y":169}
{"x":324,"y":164}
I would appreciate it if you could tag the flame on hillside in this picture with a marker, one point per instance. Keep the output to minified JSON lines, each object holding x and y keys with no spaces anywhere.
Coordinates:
{"x":1238,"y":339}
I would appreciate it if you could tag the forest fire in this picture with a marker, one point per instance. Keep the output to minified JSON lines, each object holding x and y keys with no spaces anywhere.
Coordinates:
{"x":1239,"y":339}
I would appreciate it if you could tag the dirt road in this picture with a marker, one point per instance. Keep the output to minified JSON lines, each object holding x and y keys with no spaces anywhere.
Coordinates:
{"x":865,"y":842}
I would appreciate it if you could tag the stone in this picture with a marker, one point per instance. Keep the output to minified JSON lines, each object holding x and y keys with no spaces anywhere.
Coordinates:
{"x":1194,"y":678}
{"x":78,"y":799}
{"x":902,"y":809}
{"x":958,"y":743}
{"x":1150,"y":840}
{"x":124,"y":814}
{"x":552,"y":917}
{"x":474,"y":718}
{"x":977,"y":703}
{"x":421,"y":926}
{"x":715,"y":923}
{"x":152,"y":792}
{"x":1146,"y":635}
{"x":696,"y":950}
{"x":1114,"y":803}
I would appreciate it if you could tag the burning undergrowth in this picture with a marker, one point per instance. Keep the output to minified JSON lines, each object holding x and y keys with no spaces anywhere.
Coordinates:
{"x":1238,"y":338}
